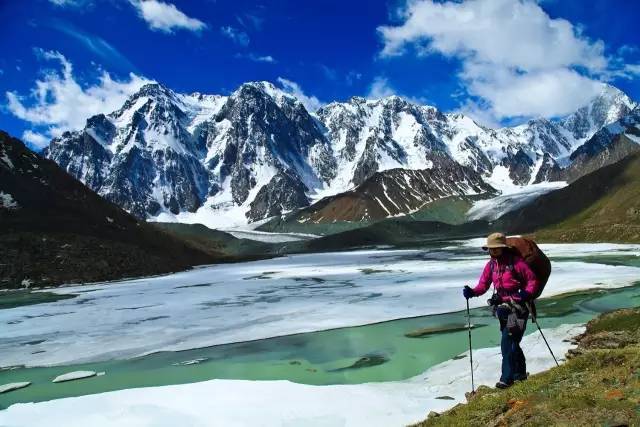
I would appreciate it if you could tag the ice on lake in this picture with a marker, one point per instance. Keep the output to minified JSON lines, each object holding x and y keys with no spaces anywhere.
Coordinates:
{"x":254,"y":300}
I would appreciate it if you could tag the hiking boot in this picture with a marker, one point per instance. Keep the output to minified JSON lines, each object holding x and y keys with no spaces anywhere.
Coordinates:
{"x":503,"y":385}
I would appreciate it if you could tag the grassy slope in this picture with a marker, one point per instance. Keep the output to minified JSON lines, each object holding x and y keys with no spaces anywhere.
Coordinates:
{"x":216,"y":241}
{"x":450,"y":210}
{"x":614,"y":217}
{"x":601,"y":206}
{"x":599,"y":385}
{"x":396,"y":232}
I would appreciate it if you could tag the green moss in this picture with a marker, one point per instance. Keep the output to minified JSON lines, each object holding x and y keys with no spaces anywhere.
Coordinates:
{"x":616,"y":321}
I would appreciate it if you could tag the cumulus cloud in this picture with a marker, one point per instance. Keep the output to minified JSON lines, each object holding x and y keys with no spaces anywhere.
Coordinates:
{"x":165,"y":17}
{"x":58,"y":103}
{"x":36,"y":139}
{"x":311,"y":103}
{"x":237,"y":36}
{"x":515,"y":58}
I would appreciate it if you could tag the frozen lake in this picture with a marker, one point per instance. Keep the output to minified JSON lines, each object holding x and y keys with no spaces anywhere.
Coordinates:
{"x":256,"y":300}
{"x":104,"y":325}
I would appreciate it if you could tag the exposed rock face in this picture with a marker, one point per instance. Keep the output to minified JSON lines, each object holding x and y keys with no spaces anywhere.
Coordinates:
{"x":549,"y":170}
{"x":398,"y":191}
{"x":282,"y":194}
{"x":609,"y":145}
{"x":260,"y":150}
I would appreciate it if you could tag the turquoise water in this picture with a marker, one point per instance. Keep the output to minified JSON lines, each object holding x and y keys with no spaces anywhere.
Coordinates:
{"x":375,"y":352}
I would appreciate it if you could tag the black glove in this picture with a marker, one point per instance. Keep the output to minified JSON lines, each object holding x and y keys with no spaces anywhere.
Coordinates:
{"x":495,"y":300}
{"x":524,"y":295}
{"x":468,"y":292}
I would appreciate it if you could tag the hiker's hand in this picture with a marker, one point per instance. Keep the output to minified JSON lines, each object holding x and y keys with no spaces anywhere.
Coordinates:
{"x":524,"y":295}
{"x":468,"y":292}
{"x":495,"y":300}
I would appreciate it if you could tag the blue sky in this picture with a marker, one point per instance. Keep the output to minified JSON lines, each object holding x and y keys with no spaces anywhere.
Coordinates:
{"x":513,"y":59}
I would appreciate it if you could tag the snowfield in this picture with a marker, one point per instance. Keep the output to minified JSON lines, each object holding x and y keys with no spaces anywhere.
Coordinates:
{"x":511,"y":199}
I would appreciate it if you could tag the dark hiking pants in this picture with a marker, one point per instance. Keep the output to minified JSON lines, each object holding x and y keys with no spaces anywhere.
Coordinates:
{"x":514,"y":365}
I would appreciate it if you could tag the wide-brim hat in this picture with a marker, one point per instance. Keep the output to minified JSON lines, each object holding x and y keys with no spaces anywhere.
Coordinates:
{"x":496,"y":240}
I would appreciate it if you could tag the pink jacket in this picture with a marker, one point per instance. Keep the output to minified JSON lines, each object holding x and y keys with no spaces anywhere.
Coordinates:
{"x":508,"y":274}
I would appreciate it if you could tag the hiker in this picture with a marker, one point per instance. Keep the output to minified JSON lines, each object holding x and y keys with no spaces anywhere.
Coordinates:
{"x":514,"y":284}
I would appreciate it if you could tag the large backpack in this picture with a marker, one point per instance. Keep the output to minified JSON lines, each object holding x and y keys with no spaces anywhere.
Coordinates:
{"x":534,"y":257}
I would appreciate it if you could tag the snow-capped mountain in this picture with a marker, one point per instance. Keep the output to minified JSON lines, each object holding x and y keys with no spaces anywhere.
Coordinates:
{"x":226,"y":160}
{"x":608,"y":145}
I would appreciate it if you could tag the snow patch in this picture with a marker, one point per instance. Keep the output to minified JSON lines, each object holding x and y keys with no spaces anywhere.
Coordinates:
{"x":7,"y":201}
{"x":72,"y":376}
{"x":514,"y":198}
{"x":263,"y":236}
{"x":6,"y":160}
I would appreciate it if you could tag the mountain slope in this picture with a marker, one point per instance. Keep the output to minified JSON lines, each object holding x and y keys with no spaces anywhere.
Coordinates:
{"x":55,"y":230}
{"x":397,"y":192}
{"x":606,"y":146}
{"x":601,"y":206}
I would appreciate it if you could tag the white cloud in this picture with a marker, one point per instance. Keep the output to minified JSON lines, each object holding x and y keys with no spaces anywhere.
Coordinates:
{"x":311,"y":103}
{"x":516,"y":58}
{"x":70,"y":3}
{"x":256,"y":58}
{"x":547,"y":93}
{"x":37,"y":140}
{"x":59,"y":103}
{"x":632,"y":70}
{"x":95,"y":44}
{"x":380,"y":88}
{"x":237,"y":36}
{"x":166,"y":17}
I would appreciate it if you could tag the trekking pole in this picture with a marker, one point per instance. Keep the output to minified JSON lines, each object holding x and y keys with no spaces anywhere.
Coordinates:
{"x":470,"y":350}
{"x":533,"y":317}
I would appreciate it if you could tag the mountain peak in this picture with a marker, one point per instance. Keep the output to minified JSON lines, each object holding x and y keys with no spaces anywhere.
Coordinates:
{"x":267,"y":89}
{"x":152,"y":89}
{"x":610,"y":105}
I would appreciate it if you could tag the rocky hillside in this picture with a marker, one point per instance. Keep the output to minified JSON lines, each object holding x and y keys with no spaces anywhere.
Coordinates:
{"x":258,"y":153}
{"x":55,"y":230}
{"x":599,"y":385}
{"x":397,"y":192}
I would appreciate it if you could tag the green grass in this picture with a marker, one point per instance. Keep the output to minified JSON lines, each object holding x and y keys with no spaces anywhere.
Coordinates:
{"x":450,"y":210}
{"x":614,"y":322}
{"x":600,"y":386}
